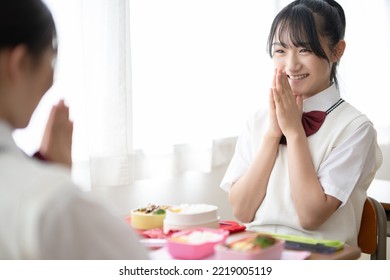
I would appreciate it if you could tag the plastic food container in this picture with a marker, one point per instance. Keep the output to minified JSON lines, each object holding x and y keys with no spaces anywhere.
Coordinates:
{"x":195,"y":244}
{"x":149,"y":217}
{"x":273,"y":252}
{"x":189,"y":216}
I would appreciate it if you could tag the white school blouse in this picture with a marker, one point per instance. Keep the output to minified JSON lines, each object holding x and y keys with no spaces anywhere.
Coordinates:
{"x":43,"y":215}
{"x":351,"y":163}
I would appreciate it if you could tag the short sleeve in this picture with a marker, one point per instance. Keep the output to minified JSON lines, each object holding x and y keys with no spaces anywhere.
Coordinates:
{"x":241,"y":159}
{"x":349,"y":164}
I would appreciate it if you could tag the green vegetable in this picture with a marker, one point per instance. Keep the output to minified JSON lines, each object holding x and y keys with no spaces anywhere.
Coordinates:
{"x":264,"y":241}
{"x":159,"y":212}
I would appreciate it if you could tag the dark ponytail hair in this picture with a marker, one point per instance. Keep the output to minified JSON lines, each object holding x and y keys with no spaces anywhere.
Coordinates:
{"x":26,"y":22}
{"x":304,"y":22}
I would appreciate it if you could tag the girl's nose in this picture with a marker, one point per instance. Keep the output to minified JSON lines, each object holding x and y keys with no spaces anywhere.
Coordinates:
{"x":292,"y":63}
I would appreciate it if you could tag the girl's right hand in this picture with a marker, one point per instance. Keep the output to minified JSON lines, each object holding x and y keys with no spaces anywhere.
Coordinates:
{"x":274,"y":128}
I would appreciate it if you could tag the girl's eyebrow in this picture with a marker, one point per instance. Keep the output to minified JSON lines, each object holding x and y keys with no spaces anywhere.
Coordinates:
{"x":301,"y":44}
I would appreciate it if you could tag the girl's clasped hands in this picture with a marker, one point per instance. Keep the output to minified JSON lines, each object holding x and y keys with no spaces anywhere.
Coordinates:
{"x":285,"y":107}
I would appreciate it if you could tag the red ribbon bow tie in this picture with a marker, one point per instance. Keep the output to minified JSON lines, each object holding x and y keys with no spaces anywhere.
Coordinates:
{"x":313,"y":120}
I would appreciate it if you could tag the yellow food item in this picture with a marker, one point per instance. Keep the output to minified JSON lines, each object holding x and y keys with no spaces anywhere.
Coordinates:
{"x":257,"y":242}
{"x":149,"y":217}
{"x":175,"y":210}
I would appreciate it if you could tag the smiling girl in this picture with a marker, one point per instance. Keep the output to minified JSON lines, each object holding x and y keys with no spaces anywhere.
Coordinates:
{"x":283,"y":179}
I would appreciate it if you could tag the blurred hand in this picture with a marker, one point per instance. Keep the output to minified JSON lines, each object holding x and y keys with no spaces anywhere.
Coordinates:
{"x":56,"y":144}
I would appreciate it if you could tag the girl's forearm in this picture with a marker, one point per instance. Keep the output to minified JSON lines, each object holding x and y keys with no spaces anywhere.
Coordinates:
{"x":247,"y":194}
{"x":313,"y":206}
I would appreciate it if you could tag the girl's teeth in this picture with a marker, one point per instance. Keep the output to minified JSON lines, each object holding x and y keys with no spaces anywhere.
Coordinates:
{"x":298,"y":77}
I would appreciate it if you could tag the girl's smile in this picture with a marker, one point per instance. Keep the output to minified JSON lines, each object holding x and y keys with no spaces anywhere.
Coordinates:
{"x":297,"y":77}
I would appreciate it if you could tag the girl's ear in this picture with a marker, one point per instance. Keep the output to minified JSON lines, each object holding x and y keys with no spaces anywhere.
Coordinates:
{"x":338,"y":51}
{"x":17,"y":62}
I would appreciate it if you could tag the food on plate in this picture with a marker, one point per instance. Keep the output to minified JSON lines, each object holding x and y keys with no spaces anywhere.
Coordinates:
{"x":192,"y":208}
{"x":149,"y":217}
{"x":254,"y":247}
{"x":198,"y":237}
{"x":153,"y":209}
{"x":256,"y":242}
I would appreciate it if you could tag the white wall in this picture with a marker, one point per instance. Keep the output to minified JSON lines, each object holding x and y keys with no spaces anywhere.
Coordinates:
{"x":190,"y":187}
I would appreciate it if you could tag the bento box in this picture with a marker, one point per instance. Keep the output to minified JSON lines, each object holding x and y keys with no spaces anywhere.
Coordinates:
{"x":195,"y":244}
{"x":254,"y":247}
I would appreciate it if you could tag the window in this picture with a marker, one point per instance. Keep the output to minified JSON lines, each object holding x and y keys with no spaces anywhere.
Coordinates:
{"x":154,"y":85}
{"x":199,"y":67}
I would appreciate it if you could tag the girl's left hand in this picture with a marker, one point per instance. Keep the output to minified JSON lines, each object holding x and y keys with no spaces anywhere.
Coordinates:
{"x":288,"y":106}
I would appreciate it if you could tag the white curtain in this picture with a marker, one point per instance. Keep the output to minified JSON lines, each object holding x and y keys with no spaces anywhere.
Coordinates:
{"x":199,"y":68}
{"x":107,"y":97}
{"x":160,"y":87}
{"x":94,"y":78}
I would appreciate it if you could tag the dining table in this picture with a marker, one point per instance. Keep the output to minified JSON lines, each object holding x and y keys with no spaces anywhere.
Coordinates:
{"x":348,"y":252}
{"x":192,"y":188}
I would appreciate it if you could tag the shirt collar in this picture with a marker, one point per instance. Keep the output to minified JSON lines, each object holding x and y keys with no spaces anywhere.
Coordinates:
{"x":323,"y":100}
